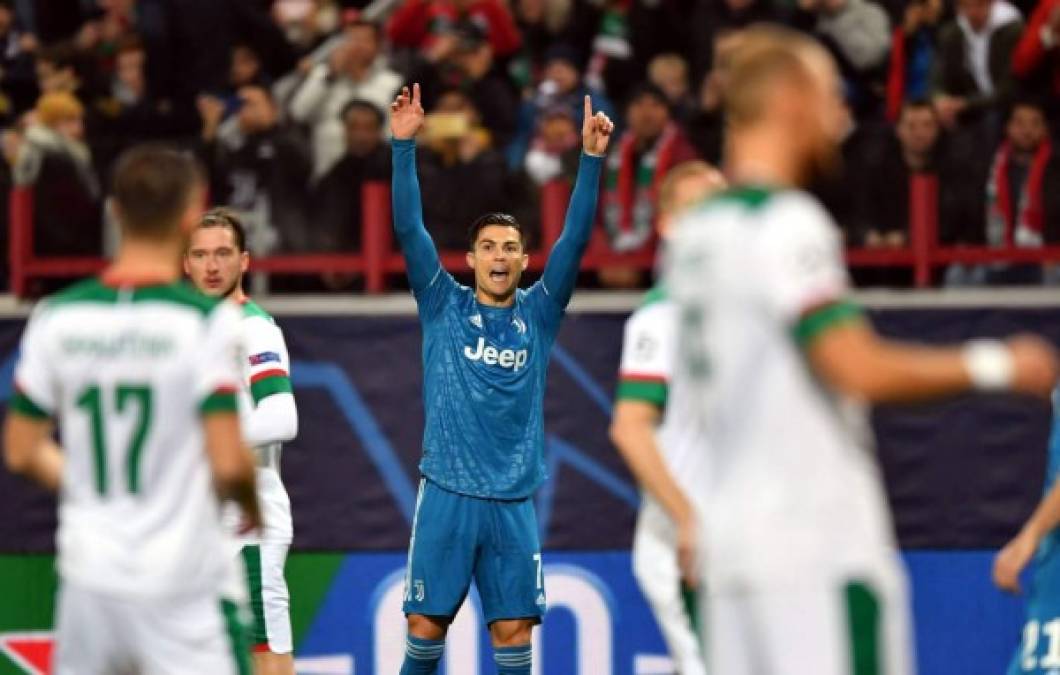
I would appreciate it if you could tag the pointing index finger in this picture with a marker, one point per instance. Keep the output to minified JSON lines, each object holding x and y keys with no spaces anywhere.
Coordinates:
{"x":416,"y":93}
{"x":588,"y":108}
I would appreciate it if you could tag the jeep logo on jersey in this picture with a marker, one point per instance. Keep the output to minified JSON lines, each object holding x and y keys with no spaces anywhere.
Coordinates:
{"x":491,"y":356}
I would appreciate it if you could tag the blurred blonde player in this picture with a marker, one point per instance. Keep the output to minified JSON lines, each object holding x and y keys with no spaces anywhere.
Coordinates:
{"x":665,"y":458}
{"x":802,"y":570}
{"x":216,"y":260}
{"x":141,"y":372}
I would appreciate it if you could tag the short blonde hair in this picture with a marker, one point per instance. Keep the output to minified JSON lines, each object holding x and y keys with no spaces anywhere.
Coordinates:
{"x":768,"y":56}
{"x":58,"y":106}
{"x":668,"y":186}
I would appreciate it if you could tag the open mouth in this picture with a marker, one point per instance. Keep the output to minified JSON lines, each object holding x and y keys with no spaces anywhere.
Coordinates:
{"x":499,"y":276}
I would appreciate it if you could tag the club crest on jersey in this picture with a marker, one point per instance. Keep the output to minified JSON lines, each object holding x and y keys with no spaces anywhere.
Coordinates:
{"x":264,"y":357}
{"x":520,"y":325}
{"x":476,"y":320}
{"x":491,"y":356}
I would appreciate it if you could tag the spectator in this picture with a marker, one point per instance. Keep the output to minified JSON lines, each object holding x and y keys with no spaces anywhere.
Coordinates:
{"x":652,"y":144}
{"x":858,"y":33}
{"x":555,"y":150}
{"x":17,"y":76}
{"x":127,"y":113}
{"x":336,"y":219}
{"x":356,"y":70}
{"x":461,"y":175}
{"x":707,"y":124}
{"x":913,"y":55}
{"x":915,"y":149}
{"x":1023,"y":173}
{"x":56,"y":69}
{"x":973,"y":76}
{"x":712,"y":19}
{"x":1022,"y":198}
{"x":306,"y":23}
{"x":470,"y":67}
{"x":55,"y":161}
{"x":612,"y":64}
{"x":669,"y":72}
{"x":258,"y":168}
{"x":542,"y":24}
{"x":427,"y":25}
{"x":561,"y":87}
{"x":1036,"y":60}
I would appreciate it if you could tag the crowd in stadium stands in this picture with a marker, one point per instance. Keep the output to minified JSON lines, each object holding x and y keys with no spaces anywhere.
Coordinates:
{"x":286,"y":103}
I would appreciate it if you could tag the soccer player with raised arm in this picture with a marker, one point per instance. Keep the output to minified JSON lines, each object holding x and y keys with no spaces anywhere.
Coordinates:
{"x":657,"y":435}
{"x":485,"y":359}
{"x":803,"y":575}
{"x":216,"y":261}
{"x":140,"y":371}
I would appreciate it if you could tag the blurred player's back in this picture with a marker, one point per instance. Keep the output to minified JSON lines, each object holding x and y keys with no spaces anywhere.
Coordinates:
{"x":140,"y":372}
{"x":793,"y":486}
{"x":138,"y":514}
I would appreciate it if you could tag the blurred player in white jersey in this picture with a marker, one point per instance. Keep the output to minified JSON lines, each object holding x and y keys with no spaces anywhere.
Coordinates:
{"x":140,"y":371}
{"x":802,"y":571}
{"x":665,"y":458}
{"x":216,"y":261}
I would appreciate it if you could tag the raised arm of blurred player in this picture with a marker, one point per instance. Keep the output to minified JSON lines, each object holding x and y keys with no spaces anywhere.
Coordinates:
{"x":274,"y":418}
{"x":217,"y":381}
{"x":28,"y":447}
{"x":810,"y":285}
{"x":561,"y":270}
{"x":421,"y":257}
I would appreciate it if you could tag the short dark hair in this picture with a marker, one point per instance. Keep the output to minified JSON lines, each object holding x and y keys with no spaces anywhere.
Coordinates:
{"x":152,"y":187}
{"x":647,"y":90}
{"x":493,"y":218}
{"x":361,"y":104}
{"x":1027,"y":101}
{"x":917,"y":104}
{"x":222,"y":216}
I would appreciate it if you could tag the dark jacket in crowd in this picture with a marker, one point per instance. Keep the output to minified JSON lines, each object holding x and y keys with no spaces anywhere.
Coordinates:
{"x":336,"y":221}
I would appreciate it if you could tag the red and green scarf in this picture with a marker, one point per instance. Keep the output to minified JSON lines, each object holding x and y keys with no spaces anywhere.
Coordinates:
{"x":631,"y":188}
{"x":1012,"y":223}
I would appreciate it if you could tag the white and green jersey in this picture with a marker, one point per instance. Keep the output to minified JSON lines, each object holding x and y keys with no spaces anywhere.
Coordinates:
{"x":128,"y":371}
{"x":647,"y":373}
{"x":266,"y":374}
{"x":793,"y":483}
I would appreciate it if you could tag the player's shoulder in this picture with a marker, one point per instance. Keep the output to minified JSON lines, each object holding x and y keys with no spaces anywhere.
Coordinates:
{"x":254,"y":313}
{"x":653,"y":311}
{"x":95,"y":291}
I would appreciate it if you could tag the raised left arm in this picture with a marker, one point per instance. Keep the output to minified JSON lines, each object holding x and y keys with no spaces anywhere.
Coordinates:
{"x":561,"y":270}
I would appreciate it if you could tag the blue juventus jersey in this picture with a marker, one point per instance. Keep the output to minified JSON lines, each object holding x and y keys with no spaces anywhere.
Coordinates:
{"x":484,"y":367}
{"x":484,"y":371}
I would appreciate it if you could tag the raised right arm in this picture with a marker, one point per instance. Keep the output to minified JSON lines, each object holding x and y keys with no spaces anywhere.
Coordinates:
{"x":421,"y":257}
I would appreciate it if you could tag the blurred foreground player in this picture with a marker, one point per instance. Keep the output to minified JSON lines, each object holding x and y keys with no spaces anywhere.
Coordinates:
{"x":654,"y":429}
{"x":802,"y":570}
{"x":216,"y":261}
{"x":485,"y":361}
{"x":140,"y":371}
{"x":1039,"y":650}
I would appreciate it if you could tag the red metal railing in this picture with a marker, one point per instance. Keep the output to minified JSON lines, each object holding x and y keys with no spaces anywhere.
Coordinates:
{"x":379,"y":262}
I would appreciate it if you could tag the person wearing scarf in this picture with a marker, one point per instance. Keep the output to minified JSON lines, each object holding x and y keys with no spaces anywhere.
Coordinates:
{"x":1014,"y":191}
{"x":651,"y":145}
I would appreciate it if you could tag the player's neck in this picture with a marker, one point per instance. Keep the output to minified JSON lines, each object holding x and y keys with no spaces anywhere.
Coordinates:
{"x":146,"y":262}
{"x":237,"y":295}
{"x":762,"y":156}
{"x":490,"y":300}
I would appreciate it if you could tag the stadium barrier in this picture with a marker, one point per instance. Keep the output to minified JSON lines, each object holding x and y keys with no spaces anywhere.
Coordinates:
{"x":380,"y":262}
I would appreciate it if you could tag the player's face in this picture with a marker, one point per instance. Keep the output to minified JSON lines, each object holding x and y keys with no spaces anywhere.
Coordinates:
{"x":688,"y":192}
{"x":214,"y":262}
{"x":498,"y":260}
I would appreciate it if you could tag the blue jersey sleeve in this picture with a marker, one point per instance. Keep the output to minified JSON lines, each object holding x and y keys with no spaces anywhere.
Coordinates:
{"x":428,"y":280}
{"x":561,"y":270}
